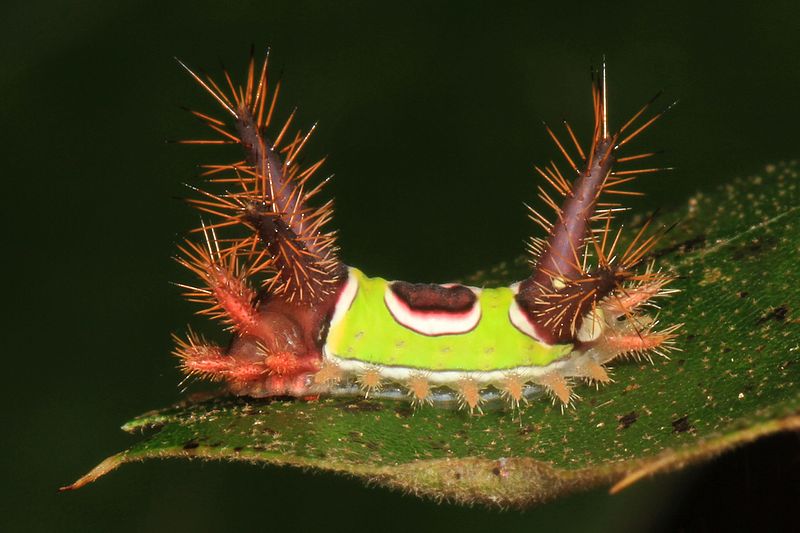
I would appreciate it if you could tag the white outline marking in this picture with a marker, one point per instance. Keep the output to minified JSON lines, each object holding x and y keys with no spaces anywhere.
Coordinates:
{"x":520,"y":319}
{"x":346,"y":299}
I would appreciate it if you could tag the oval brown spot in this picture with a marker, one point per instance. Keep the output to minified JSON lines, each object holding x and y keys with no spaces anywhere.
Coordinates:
{"x":429,"y":297}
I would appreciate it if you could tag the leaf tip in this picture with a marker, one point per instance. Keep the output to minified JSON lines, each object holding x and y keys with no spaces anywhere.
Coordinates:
{"x":106,"y":466}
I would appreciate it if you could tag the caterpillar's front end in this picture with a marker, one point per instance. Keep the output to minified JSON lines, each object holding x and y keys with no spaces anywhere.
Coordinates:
{"x":280,"y":326}
{"x":314,"y":326}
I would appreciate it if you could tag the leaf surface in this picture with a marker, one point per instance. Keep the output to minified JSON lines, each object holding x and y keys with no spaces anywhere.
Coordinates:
{"x":736,"y":379}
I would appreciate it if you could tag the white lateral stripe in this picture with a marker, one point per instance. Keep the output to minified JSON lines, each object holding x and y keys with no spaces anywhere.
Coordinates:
{"x":446,"y":377}
{"x":433,"y":323}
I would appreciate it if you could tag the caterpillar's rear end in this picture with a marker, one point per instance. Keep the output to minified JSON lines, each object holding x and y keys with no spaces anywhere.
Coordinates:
{"x":270,"y":272}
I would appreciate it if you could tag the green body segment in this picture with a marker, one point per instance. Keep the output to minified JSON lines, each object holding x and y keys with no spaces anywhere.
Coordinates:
{"x":369,"y":333}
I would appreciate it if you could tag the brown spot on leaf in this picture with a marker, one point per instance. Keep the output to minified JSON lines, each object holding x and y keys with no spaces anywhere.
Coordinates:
{"x":754,"y":247}
{"x":361,"y":406}
{"x":776,"y":313}
{"x":683,"y":247}
{"x":682,"y":425}
{"x":626,"y":421}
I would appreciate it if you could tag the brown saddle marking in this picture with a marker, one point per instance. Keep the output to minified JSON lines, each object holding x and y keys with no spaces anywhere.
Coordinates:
{"x":432,"y":298}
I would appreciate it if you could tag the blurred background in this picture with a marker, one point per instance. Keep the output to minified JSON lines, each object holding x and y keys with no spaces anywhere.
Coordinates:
{"x":431,"y":114}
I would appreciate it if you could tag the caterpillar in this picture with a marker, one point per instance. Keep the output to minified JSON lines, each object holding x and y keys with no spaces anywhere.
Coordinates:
{"x":306,"y":325}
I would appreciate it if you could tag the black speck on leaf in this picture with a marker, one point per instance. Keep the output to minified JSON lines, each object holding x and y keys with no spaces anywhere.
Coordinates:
{"x":776,"y":313}
{"x":684,"y":247}
{"x":626,"y":421}
{"x":681,"y":425}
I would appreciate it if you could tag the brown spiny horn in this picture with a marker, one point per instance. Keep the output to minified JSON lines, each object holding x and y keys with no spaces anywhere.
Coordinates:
{"x":561,"y":290}
{"x":274,"y":190}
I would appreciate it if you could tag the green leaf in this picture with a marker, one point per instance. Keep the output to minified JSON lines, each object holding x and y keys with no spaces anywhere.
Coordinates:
{"x":737,"y":379}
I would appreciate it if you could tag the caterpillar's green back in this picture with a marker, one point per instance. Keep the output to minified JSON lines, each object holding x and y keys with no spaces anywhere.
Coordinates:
{"x":370,"y":334}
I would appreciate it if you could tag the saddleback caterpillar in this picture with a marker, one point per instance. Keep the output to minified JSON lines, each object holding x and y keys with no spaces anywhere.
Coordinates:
{"x":304,"y":324}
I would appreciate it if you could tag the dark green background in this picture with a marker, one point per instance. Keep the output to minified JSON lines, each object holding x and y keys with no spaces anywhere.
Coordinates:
{"x":431,"y":116}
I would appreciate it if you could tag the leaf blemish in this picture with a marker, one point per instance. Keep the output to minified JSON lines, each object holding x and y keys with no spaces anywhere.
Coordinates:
{"x":686,"y":246}
{"x":626,"y":421}
{"x":682,"y":425}
{"x":754,"y":248}
{"x":776,"y":313}
{"x":361,"y":406}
